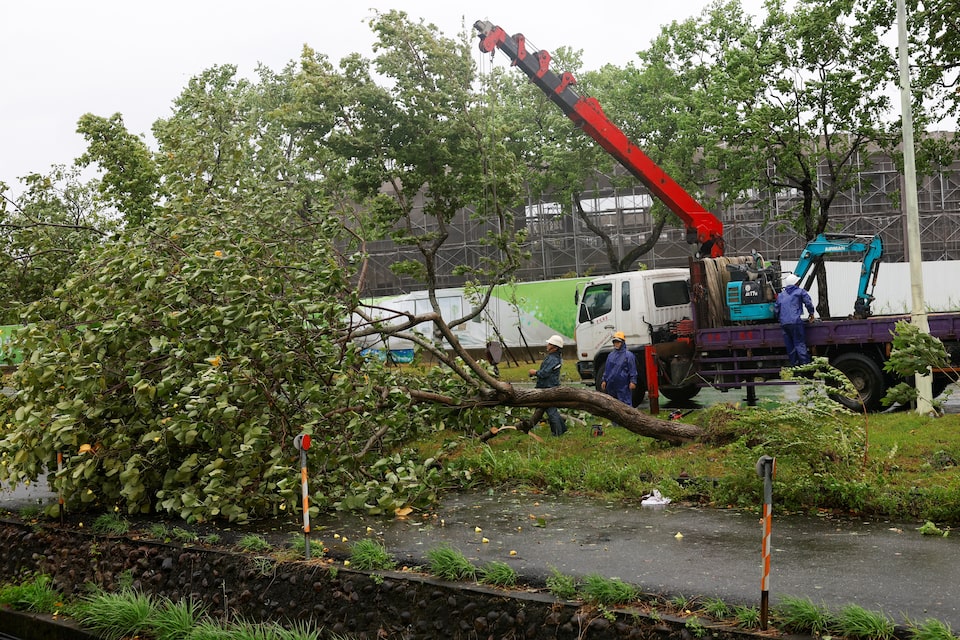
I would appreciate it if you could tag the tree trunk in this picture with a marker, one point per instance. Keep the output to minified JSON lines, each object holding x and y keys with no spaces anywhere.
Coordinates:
{"x":593,"y":402}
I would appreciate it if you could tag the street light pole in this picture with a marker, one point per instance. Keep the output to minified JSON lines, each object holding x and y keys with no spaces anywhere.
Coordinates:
{"x":918,"y":315}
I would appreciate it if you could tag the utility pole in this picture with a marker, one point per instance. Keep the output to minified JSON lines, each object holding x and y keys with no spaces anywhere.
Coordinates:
{"x":919,"y":314}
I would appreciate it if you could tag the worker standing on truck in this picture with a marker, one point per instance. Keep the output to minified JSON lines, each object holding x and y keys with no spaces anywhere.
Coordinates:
{"x":788,"y":308}
{"x":548,"y":376}
{"x":620,"y":371}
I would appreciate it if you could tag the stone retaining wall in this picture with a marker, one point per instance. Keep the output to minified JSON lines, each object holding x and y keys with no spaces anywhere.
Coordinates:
{"x":355,"y":603}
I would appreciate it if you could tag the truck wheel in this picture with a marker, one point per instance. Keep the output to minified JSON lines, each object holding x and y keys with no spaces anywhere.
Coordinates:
{"x":867,"y":378}
{"x":680,"y":394}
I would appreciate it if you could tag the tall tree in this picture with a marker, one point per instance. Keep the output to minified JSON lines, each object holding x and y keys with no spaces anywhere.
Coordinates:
{"x":130,"y":181}
{"x":45,"y":231}
{"x":934,"y":34}
{"x":794,"y":103}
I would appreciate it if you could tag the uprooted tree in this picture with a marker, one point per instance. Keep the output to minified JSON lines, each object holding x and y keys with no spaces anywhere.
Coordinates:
{"x":174,"y":366}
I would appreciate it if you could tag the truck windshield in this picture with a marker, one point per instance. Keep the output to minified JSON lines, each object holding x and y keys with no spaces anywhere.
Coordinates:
{"x":597,"y":301}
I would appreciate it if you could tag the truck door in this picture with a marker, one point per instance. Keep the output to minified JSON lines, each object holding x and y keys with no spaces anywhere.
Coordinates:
{"x":596,"y":320}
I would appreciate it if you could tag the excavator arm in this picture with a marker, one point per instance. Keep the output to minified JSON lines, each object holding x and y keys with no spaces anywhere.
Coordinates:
{"x":827,"y":246}
{"x":702,"y":226}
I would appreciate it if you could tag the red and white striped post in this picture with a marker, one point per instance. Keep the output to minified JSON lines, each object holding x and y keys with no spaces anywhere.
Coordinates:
{"x":302,"y":442}
{"x":766,"y":466}
{"x":653,"y":382}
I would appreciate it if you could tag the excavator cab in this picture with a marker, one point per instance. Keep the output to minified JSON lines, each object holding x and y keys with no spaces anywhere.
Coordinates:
{"x":752,"y":290}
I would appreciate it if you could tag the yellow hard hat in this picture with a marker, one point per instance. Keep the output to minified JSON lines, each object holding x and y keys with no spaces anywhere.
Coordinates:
{"x":619,"y":335}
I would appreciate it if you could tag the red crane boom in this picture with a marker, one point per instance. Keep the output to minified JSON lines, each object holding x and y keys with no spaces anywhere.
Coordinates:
{"x":702,"y":226}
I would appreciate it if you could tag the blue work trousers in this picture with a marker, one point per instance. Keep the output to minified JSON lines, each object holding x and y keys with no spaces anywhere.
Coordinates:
{"x":795,"y":340}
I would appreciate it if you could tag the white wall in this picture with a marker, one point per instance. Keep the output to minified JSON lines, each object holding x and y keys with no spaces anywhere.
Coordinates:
{"x":941,"y":287}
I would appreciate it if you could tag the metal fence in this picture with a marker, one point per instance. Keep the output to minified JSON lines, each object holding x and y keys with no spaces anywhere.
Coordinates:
{"x":561,"y":245}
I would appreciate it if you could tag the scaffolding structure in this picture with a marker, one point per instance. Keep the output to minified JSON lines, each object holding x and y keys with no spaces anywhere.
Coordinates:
{"x":561,"y":245}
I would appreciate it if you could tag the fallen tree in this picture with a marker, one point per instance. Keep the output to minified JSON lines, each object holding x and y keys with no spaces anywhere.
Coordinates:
{"x":489,"y":391}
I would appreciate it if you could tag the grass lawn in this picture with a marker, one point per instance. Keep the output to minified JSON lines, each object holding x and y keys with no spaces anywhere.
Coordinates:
{"x":897,"y":465}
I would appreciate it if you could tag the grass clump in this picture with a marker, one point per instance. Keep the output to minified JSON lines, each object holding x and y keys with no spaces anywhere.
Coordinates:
{"x":932,"y":629}
{"x":716,"y":608}
{"x":562,"y":586}
{"x":856,"y":622}
{"x":499,"y":574}
{"x":207,"y":629}
{"x":253,"y":542}
{"x":746,"y":617}
{"x":299,"y":545}
{"x":370,"y":555}
{"x":606,"y":591}
{"x":113,"y":616}
{"x":450,"y":564}
{"x":175,"y":620}
{"x":31,"y":512}
{"x":803,"y":615}
{"x":183,"y":535}
{"x":111,"y":524}
{"x":159,"y":531}
{"x":37,"y":595}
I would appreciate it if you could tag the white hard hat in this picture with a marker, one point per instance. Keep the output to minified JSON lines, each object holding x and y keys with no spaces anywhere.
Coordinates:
{"x":556,"y":341}
{"x":790,"y":279}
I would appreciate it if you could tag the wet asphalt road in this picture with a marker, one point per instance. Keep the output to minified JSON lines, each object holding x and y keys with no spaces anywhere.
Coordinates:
{"x":880,"y":566}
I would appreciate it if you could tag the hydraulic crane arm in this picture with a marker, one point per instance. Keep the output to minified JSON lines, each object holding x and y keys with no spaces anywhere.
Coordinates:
{"x":827,"y":246}
{"x":702,"y":226}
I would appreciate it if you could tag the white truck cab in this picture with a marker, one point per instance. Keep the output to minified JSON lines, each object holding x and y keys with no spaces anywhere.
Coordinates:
{"x":636,"y":303}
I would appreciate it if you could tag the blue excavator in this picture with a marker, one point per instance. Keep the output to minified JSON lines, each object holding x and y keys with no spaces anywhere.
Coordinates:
{"x":753,"y":288}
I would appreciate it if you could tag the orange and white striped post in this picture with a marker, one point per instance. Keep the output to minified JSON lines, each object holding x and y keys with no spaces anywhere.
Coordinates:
{"x":765,"y":469}
{"x":302,"y":442}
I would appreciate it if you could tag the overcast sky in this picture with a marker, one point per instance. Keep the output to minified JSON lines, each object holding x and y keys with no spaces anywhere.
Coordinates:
{"x":63,"y":58}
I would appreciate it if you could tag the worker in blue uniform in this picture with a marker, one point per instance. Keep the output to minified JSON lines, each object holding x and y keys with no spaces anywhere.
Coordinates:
{"x":620,"y":371}
{"x":789,"y":309}
{"x":548,"y":376}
